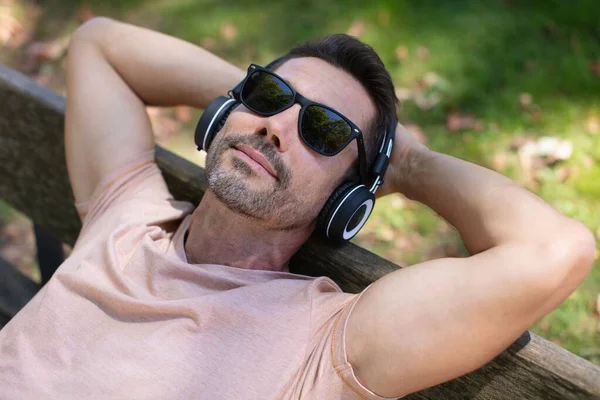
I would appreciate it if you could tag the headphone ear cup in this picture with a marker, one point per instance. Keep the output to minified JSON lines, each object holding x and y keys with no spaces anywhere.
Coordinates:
{"x":345,"y":212}
{"x":212,"y":120}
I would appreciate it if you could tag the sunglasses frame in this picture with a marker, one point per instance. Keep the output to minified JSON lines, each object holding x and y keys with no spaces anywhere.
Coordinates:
{"x":355,"y":133}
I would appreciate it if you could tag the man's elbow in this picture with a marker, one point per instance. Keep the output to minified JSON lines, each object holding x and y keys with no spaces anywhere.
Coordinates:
{"x":92,"y":30}
{"x":571,"y":254}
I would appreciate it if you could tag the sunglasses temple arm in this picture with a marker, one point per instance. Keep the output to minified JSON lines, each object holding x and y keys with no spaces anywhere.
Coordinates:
{"x":235,"y":92}
{"x":362,"y":160}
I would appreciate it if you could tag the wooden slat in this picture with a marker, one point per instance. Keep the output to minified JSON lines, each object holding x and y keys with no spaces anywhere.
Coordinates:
{"x":33,"y":178}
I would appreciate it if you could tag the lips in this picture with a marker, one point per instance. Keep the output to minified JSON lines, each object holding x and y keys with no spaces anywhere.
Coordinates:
{"x":258,"y":158}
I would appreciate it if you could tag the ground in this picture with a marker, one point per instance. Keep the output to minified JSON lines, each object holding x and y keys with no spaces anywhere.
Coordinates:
{"x":510,"y":85}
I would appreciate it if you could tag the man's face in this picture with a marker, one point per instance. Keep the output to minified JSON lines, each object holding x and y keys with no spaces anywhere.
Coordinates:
{"x":296,"y":182}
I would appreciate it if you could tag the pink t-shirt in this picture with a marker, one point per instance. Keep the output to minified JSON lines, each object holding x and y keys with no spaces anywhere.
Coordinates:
{"x":126,"y":317}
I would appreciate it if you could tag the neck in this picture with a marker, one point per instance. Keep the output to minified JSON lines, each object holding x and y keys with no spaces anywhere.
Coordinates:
{"x":218,"y":235}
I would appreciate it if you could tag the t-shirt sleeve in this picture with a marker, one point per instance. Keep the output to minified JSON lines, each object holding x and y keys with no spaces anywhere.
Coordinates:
{"x":131,"y":193}
{"x":329,"y":375}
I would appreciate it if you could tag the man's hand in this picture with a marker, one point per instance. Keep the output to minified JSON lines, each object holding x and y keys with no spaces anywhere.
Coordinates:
{"x":432,"y":322}
{"x":114,"y":70}
{"x":401,"y":160}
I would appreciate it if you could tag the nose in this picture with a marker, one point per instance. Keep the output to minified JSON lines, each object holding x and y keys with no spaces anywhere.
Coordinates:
{"x":281,"y":128}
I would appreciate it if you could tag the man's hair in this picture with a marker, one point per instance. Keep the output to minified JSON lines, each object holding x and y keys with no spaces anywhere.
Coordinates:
{"x":361,"y":62}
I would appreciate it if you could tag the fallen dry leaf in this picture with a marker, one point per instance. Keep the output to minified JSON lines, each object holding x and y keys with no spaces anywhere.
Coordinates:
{"x":426,"y":101}
{"x":595,"y":67}
{"x":183,"y":113}
{"x":357,"y":28}
{"x":9,"y":25}
{"x":41,"y":52}
{"x":85,"y":13}
{"x":431,"y":78}
{"x":403,"y":93}
{"x":208,"y":43}
{"x":228,"y":31}
{"x":498,"y":161}
{"x":534,"y":112}
{"x":518,"y":142}
{"x":525,"y":100}
{"x":19,"y":32}
{"x":564,"y":173}
{"x":593,"y":124}
{"x":423,"y":52}
{"x":457,"y":122}
{"x":401,"y":53}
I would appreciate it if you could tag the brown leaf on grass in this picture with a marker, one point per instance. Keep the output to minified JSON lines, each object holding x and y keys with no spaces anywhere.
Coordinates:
{"x":9,"y":26}
{"x":401,"y":53}
{"x":208,"y":43}
{"x":357,"y":28}
{"x":518,"y":142}
{"x":85,"y":13}
{"x":18,"y":33}
{"x":15,"y":30}
{"x":535,"y":113}
{"x":498,"y":161}
{"x":403,"y":93}
{"x":423,"y":52}
{"x":525,"y":100}
{"x":183,"y":113}
{"x":228,"y":31}
{"x":593,"y":124}
{"x":457,"y":122}
{"x":564,"y":173}
{"x":41,"y":52}
{"x":595,"y":67}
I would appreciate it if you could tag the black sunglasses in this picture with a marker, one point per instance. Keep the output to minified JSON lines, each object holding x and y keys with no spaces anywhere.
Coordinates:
{"x":323,"y":129}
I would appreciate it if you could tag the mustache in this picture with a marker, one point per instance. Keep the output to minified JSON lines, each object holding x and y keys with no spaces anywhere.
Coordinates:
{"x":267,"y":149}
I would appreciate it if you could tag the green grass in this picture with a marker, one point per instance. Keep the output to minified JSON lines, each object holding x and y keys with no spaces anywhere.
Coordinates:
{"x":486,"y":55}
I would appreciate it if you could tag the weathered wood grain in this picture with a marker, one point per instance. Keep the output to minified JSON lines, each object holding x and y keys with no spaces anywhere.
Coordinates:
{"x":33,"y":178}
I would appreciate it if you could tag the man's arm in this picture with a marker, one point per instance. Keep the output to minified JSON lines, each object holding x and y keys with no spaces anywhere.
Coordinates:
{"x":435,"y":321}
{"x":114,"y":70}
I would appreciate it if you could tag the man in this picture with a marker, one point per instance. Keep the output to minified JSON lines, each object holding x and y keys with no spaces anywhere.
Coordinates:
{"x":137,"y":313}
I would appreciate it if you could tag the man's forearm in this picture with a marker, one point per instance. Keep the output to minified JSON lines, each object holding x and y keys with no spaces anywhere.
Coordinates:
{"x":487,"y":208}
{"x":161,"y":70}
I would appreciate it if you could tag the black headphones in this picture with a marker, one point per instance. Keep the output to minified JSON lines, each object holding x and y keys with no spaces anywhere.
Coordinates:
{"x":350,"y":204}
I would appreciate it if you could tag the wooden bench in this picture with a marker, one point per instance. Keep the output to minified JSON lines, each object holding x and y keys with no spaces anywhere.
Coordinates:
{"x":33,"y":179}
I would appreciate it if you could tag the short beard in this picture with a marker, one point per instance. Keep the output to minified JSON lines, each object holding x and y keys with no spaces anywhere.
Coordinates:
{"x":275,"y":204}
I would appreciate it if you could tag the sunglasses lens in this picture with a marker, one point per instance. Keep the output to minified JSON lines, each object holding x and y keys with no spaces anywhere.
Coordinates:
{"x":324,"y":130}
{"x":265,"y":93}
